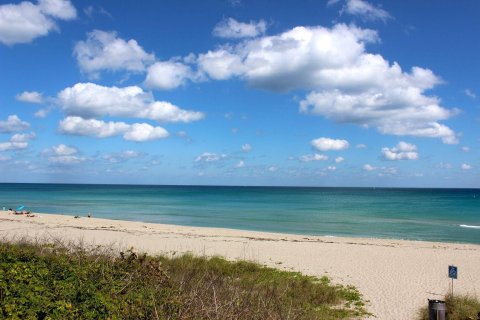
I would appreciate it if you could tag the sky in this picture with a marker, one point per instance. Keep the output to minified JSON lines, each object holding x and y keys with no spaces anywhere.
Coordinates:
{"x":235,"y":92}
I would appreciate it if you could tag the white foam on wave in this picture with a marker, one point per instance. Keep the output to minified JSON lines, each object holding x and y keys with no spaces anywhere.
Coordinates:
{"x":469,"y":226}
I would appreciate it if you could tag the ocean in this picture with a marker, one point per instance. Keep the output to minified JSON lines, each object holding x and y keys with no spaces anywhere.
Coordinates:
{"x":448,"y":215}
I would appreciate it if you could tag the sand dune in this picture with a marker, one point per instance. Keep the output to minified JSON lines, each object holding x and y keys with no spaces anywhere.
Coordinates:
{"x":396,"y":276}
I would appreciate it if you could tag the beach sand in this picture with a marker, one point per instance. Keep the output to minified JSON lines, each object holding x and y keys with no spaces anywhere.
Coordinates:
{"x":396,"y":276}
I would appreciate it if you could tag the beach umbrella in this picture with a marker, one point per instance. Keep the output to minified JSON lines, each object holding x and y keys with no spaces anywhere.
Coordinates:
{"x":20,"y":208}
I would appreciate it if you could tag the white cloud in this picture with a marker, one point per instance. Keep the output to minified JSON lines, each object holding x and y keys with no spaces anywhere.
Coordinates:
{"x":63,"y":150}
{"x":23,"y":137}
{"x":326,"y":144}
{"x":331,"y":168}
{"x":466,"y":166}
{"x":273,"y":169}
{"x":105,"y":51}
{"x":17,"y":141}
{"x":339,"y":159}
{"x":403,"y":151}
{"x":240,"y":164}
{"x":9,"y":145}
{"x":209,"y":157}
{"x":63,"y":155}
{"x":101,"y":129}
{"x":232,"y":29}
{"x":168,"y":75}
{"x":66,"y":160}
{"x":348,"y":84}
{"x":361,"y":146}
{"x":382,"y":170}
{"x":365,"y":10}
{"x":30,"y":97}
{"x":61,"y":9}
{"x":42,"y":113}
{"x":12,"y":124}
{"x":470,"y":93}
{"x":386,"y":171}
{"x":23,"y":22}
{"x":124,"y":156}
{"x":293,"y":59}
{"x":313,"y":157}
{"x":144,"y":132}
{"x":465,"y":149}
{"x":368,"y":167}
{"x":92,"y":127}
{"x":246,"y":147}
{"x":91,"y":100}
{"x":221,"y":64}
{"x":332,"y":2}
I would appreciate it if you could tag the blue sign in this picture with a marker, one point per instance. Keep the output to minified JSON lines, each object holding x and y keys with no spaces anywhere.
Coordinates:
{"x":452,"y":272}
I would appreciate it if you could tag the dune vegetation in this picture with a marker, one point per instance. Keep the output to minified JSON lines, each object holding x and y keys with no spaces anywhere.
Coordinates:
{"x":457,"y":307}
{"x":71,"y":281}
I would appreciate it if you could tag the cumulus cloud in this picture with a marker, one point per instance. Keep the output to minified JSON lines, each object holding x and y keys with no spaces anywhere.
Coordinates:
{"x":64,"y":150}
{"x":240,"y":164}
{"x":339,"y":159}
{"x":347,"y":84}
{"x":403,"y":151}
{"x":30,"y":97}
{"x":273,"y":169}
{"x":233,"y":29}
{"x":221,"y":64}
{"x":382,"y":170}
{"x":97,"y":128}
{"x":368,"y":167}
{"x":23,"y":22}
{"x":313,"y":157}
{"x":13,"y":124}
{"x":166,"y":75}
{"x":122,"y":156}
{"x":144,"y":132}
{"x":92,"y":127}
{"x":210,"y":157}
{"x":365,"y":10}
{"x":89,"y":100}
{"x":63,"y":155}
{"x":106,"y":51}
{"x":23,"y":137}
{"x":246,"y":147}
{"x":466,"y":166}
{"x":9,"y":145}
{"x":326,"y":144}
{"x":17,"y":142}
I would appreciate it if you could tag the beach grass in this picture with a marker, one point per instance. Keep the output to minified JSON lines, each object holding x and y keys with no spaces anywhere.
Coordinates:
{"x":458,"y":307}
{"x":71,"y":281}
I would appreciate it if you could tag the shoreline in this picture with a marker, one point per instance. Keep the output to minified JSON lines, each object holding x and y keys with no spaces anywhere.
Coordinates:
{"x":396,"y":276}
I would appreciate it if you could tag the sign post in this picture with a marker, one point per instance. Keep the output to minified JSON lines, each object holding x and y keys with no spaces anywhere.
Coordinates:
{"x":452,"y":274}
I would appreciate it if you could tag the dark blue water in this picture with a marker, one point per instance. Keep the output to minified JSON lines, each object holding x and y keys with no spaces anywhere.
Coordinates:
{"x":451,"y":215}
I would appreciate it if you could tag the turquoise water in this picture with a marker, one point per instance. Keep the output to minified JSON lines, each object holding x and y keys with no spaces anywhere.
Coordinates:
{"x":451,"y":215}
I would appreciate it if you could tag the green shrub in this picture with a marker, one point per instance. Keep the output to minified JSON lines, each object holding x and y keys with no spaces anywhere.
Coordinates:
{"x":71,"y":282}
{"x":458,"y":307}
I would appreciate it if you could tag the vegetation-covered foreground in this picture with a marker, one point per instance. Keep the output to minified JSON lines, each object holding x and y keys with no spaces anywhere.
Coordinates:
{"x":458,"y":307}
{"x":70,"y":282}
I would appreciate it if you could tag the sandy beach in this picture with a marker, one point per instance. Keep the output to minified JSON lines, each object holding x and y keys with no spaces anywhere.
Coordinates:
{"x":395,"y":276}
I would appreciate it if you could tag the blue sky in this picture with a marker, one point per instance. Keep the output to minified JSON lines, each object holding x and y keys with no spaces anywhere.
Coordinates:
{"x":236,"y":92}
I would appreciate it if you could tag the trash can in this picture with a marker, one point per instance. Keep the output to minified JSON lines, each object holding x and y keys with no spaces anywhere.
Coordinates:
{"x":436,"y":310}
